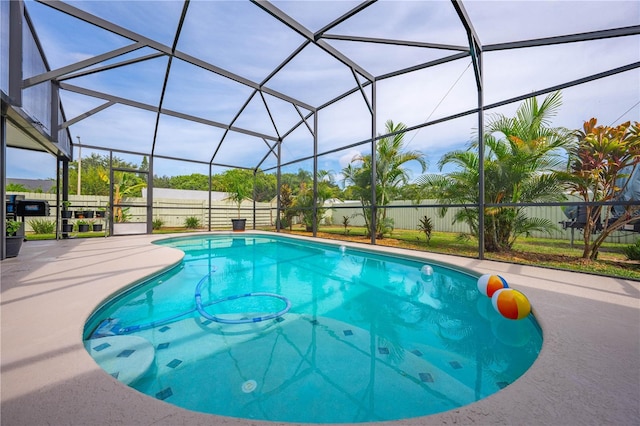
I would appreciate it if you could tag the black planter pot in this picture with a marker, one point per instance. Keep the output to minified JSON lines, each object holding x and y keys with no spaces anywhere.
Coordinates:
{"x":66,"y":214}
{"x":67,"y":228}
{"x":83,"y":228}
{"x":97,"y":227}
{"x":13,"y":245}
{"x":238,"y":224}
{"x":83,"y":214}
{"x":100,"y":213}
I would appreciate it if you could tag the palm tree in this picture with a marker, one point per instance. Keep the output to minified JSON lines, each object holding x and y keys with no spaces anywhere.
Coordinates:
{"x":304,"y":200}
{"x":239,"y":186}
{"x":391,"y":174}
{"x":522,"y":153}
{"x":125,"y":184}
{"x":286,"y":204}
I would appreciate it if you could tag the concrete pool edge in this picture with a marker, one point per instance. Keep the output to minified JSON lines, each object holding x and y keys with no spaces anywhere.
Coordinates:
{"x":47,"y":376}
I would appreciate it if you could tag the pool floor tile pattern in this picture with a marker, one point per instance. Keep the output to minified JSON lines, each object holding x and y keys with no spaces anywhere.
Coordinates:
{"x":126,"y":353}
{"x":164,"y":394}
{"x":170,"y":354}
{"x":426,"y":377}
{"x":101,"y":347}
{"x":174,"y":363}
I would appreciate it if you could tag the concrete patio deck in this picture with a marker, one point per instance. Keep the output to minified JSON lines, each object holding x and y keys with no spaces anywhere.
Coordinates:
{"x":588,"y":372}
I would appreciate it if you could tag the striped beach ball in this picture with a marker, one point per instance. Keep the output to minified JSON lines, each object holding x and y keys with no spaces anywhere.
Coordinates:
{"x":488,"y":284}
{"x":511,"y":303}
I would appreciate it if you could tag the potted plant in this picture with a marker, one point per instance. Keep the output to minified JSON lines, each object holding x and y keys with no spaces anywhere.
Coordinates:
{"x":101,"y":212}
{"x":95,"y":226}
{"x":83,"y":214}
{"x":15,"y":235}
{"x":238,"y":188}
{"x":66,"y":213}
{"x":83,"y":226}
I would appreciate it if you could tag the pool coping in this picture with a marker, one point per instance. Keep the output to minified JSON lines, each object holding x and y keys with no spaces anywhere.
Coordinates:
{"x":588,"y":371}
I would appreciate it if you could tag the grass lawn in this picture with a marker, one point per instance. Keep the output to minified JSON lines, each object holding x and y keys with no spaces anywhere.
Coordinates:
{"x":529,"y":251}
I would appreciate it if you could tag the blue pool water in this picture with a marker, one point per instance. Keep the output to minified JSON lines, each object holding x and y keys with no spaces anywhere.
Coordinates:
{"x":367,"y":337}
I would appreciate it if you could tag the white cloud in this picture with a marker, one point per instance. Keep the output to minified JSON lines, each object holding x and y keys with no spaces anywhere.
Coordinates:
{"x":348,"y":157}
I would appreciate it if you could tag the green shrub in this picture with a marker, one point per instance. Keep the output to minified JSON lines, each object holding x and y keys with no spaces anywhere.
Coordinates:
{"x":157,"y":223}
{"x":79,"y":223}
{"x":633,"y":251}
{"x":43,"y":226}
{"x":426,"y":226}
{"x":13,"y":226}
{"x":345,"y":223}
{"x":192,"y":222}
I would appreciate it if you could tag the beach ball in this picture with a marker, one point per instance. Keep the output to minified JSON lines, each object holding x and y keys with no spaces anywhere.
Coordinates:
{"x":511,"y":303}
{"x":488,"y":284}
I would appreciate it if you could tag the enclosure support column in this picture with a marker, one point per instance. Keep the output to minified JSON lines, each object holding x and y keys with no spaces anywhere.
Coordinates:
{"x":65,"y":189}
{"x":253,"y":196}
{"x":3,"y":175}
{"x":16,"y":14}
{"x":278,"y":183}
{"x":150,"y":196}
{"x":481,"y":201}
{"x":112,"y":208}
{"x":315,"y":174}
{"x":374,"y":205}
{"x":210,"y":189}
{"x":475,"y":51}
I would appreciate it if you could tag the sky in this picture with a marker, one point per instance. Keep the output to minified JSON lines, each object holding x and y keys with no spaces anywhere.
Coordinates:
{"x":245,"y":40}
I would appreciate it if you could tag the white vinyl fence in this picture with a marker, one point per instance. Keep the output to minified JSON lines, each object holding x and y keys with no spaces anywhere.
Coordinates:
{"x":174,"y":212}
{"x":407,"y":216}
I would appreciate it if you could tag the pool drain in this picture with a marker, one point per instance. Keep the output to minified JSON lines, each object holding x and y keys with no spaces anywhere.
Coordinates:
{"x":249,"y":386}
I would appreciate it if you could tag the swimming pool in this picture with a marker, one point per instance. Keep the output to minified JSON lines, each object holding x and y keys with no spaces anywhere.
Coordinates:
{"x":367,"y":337}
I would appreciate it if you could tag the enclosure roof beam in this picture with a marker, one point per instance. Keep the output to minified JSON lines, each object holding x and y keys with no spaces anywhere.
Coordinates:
{"x":167,"y":72}
{"x":110,"y":66}
{"x":395,"y":42}
{"x":116,"y":29}
{"x":304,"y":32}
{"x":320,"y":33}
{"x":52,"y":75}
{"x":153,"y":108}
{"x":104,"y":24}
{"x":429,"y":64}
{"x":87,"y":114}
{"x":571,"y":38}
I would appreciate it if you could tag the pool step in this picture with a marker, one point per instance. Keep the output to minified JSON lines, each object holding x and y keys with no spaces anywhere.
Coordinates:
{"x":127,"y":358}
